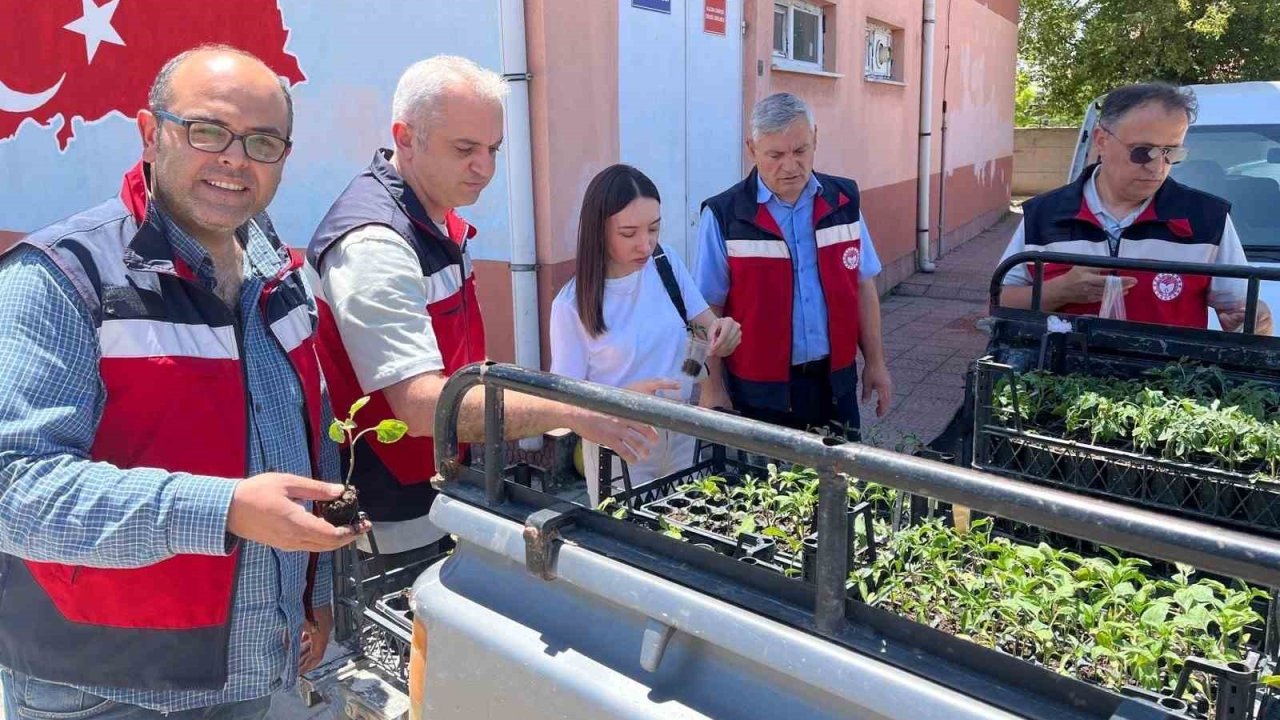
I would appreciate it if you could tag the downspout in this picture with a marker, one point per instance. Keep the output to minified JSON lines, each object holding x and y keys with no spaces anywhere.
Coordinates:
{"x":923,"y":172}
{"x":517,"y":149}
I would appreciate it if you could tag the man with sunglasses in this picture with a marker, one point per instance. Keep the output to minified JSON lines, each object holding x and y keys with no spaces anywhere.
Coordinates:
{"x":161,"y":422}
{"x":1127,"y":206}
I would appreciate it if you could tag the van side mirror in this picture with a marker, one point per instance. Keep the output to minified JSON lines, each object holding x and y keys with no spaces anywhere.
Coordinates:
{"x":1273,"y":156}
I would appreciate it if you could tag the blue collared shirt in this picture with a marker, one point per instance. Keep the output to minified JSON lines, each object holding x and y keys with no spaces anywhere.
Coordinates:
{"x":56,"y":505}
{"x":809,"y":339}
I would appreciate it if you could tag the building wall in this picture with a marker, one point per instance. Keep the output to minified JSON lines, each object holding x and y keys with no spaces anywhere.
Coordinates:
{"x":868,"y":130}
{"x":1042,"y":158}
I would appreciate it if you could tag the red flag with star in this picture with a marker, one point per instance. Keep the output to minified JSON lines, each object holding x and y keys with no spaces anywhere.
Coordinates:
{"x":81,"y":60}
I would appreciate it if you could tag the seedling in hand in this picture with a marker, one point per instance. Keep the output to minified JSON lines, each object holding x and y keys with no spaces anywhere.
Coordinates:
{"x":346,"y":509}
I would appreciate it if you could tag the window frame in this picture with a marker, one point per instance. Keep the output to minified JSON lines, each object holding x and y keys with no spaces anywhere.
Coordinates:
{"x":786,"y":58}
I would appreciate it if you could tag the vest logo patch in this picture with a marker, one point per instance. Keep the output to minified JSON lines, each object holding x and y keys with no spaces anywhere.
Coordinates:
{"x":851,"y":258}
{"x":1167,"y":286}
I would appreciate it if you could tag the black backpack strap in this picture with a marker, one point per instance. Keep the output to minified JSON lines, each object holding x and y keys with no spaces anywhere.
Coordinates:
{"x":668,"y":276}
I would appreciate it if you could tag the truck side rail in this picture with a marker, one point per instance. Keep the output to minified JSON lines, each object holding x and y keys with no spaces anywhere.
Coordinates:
{"x":1225,"y":552}
{"x":1254,"y":276}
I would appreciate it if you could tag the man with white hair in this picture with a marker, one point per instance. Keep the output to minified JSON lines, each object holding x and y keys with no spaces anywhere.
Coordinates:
{"x":399,"y":311}
{"x":787,"y":254}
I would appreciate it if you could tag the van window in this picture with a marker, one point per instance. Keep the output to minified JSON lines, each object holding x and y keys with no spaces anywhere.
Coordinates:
{"x":1240,"y":163}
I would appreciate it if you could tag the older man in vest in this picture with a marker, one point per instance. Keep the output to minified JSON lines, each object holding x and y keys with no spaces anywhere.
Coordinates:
{"x":1127,"y":206}
{"x":399,"y":311}
{"x":787,"y":254}
{"x":161,"y":420}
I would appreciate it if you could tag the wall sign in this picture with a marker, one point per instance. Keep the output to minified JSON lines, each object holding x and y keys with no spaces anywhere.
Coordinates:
{"x":662,"y":6}
{"x":713,"y":17}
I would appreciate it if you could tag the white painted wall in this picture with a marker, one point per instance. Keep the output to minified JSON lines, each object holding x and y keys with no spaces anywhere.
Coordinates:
{"x":352,"y":52}
{"x":680,"y":108}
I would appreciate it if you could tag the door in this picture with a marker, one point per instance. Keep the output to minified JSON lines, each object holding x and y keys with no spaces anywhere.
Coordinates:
{"x":680,"y":108}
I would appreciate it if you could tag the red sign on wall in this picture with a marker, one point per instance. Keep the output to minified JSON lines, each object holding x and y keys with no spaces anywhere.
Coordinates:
{"x":713,"y":17}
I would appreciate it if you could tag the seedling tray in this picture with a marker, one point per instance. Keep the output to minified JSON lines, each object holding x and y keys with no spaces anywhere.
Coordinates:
{"x":1202,"y":492}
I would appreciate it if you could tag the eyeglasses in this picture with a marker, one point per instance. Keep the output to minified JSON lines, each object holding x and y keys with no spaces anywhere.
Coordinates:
{"x":213,"y":138}
{"x":1143,"y":154}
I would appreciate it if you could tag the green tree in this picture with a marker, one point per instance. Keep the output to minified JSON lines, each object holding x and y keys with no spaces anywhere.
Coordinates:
{"x":1073,"y":51}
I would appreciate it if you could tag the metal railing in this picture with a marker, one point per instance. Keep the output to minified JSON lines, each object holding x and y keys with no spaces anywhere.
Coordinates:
{"x":1213,"y":549}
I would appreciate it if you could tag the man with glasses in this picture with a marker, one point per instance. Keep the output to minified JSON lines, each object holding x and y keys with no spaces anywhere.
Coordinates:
{"x":161,"y":422}
{"x":1127,"y":206}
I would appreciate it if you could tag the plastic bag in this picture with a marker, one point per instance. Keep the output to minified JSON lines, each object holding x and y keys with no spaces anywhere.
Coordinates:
{"x":1113,"y":299}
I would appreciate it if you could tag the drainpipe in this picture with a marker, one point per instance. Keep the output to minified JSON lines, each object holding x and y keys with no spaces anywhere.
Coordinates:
{"x":517,"y":149}
{"x":923,"y":172}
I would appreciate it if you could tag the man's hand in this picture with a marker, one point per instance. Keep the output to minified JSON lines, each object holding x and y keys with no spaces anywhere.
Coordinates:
{"x":1080,"y":285}
{"x":875,"y":377}
{"x":1232,"y":319}
{"x":651,"y":387}
{"x":631,"y":440}
{"x":315,"y":638}
{"x":725,"y":334}
{"x":265,"y":509}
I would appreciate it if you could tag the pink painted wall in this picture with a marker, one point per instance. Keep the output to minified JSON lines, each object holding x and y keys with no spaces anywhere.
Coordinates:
{"x":869,"y":130}
{"x":573,"y":57}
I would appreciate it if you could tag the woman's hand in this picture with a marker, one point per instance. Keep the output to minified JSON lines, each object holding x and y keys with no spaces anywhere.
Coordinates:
{"x":725,"y":333}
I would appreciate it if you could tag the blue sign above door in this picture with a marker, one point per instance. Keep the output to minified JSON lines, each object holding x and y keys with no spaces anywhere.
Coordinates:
{"x":662,"y":6}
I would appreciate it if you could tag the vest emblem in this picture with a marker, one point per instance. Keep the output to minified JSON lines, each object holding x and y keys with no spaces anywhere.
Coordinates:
{"x":851,"y":258}
{"x":1167,"y":286}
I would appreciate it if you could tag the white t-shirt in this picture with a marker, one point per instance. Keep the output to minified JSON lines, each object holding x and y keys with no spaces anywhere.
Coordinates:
{"x":645,"y":338}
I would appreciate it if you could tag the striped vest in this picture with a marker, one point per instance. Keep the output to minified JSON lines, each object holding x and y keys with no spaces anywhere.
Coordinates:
{"x":394,"y":480}
{"x":761,"y":289}
{"x":172,"y":369}
{"x":1180,"y":224}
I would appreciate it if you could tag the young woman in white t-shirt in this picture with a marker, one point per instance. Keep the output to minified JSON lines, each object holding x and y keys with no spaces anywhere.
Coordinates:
{"x":616,"y":324}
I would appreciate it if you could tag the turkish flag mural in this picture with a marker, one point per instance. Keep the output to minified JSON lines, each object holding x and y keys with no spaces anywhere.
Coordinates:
{"x":69,"y":59}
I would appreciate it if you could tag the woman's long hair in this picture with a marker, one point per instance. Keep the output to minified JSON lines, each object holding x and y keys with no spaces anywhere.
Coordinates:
{"x":614,"y":188}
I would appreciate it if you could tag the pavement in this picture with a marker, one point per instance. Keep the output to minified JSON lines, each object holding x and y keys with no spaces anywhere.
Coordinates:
{"x":929,"y":324}
{"x":930,"y":337}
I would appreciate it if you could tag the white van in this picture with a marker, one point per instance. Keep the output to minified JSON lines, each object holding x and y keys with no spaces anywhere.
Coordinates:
{"x":1235,"y":154}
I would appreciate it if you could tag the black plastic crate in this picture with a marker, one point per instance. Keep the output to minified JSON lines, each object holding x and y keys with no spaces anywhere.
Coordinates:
{"x":1007,"y":447}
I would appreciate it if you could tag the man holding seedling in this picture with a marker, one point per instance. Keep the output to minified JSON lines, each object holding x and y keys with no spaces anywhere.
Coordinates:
{"x":399,"y":312}
{"x":787,"y":254}
{"x":1127,"y":206}
{"x":154,"y":351}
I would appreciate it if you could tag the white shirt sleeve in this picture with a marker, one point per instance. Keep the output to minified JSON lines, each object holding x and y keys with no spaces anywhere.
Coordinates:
{"x":1017,"y":275}
{"x":694,"y":303}
{"x":570,"y":355}
{"x":374,"y":285}
{"x":1229,"y":293}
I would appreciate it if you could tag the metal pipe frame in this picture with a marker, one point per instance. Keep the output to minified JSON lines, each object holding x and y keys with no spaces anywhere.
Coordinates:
{"x":1226,"y":552}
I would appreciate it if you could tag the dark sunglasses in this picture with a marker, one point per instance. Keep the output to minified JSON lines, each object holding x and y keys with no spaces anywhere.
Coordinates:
{"x":213,"y":138}
{"x":1143,"y":154}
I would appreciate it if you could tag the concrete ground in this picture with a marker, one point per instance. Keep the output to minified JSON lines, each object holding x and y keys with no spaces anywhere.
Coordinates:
{"x":930,"y":338}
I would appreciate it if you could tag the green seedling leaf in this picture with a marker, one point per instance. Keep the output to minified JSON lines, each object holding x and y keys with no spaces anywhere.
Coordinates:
{"x":1271,"y":681}
{"x":355,"y":407}
{"x":390,"y":431}
{"x":335,"y":432}
{"x":748,"y":525}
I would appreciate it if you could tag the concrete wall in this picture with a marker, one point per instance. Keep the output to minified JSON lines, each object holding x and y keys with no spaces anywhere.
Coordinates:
{"x":868,"y":130}
{"x":1041,"y":158}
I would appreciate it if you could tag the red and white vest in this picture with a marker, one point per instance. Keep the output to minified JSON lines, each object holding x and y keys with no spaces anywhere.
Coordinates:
{"x":1180,"y":224}
{"x":172,"y":367}
{"x":761,"y":288}
{"x":394,"y":480}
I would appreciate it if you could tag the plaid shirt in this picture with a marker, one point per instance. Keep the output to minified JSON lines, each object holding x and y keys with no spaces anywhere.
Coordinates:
{"x":58,"y":506}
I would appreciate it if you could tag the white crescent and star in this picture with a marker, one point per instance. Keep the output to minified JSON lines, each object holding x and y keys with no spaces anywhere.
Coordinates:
{"x":95,"y":25}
